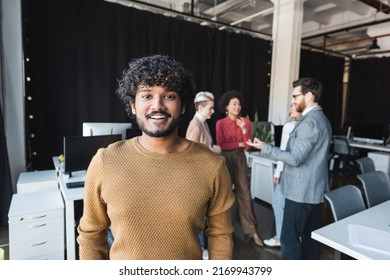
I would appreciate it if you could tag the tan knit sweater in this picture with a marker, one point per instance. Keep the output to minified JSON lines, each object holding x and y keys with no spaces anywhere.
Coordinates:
{"x":156,"y":204}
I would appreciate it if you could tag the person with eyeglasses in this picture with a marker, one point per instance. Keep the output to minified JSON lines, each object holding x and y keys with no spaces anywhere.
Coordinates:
{"x":277,"y":197}
{"x":305,"y":174}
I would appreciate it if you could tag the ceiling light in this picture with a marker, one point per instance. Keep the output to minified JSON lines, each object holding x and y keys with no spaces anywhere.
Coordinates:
{"x":374,"y":45}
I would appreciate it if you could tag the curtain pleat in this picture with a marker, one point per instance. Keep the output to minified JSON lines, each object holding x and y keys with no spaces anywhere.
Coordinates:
{"x":369,"y":91}
{"x":329,"y":70}
{"x":5,"y":176}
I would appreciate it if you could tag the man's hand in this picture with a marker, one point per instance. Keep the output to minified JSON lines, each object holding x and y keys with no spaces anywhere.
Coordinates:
{"x":257,"y":143}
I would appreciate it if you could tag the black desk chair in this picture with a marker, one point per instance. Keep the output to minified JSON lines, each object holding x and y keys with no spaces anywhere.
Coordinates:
{"x":376,"y":187}
{"x":342,"y":153}
{"x":344,"y":201}
{"x":366,"y":164}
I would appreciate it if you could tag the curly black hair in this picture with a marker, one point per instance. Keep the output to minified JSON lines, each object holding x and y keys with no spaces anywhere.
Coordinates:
{"x":155,"y":70}
{"x":226,"y":97}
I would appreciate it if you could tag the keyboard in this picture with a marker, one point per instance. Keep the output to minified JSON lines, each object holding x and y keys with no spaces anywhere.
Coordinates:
{"x":72,"y":185}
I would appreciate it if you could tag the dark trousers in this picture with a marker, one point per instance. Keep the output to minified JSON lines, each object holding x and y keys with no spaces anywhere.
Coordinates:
{"x":238,"y":168}
{"x":299,"y":220}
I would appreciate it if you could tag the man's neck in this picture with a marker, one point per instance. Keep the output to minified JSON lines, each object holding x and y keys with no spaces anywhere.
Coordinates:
{"x":163,"y":145}
{"x":309,"y":107}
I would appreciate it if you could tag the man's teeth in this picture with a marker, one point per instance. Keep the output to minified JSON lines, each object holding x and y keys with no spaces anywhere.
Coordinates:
{"x":157,"y":117}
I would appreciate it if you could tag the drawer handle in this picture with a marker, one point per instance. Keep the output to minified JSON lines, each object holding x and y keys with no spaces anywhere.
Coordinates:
{"x":38,"y":226}
{"x":38,"y":244}
{"x":37,"y":217}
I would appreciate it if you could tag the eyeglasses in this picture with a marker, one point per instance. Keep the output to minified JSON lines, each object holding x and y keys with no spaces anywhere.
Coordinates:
{"x":295,"y":96}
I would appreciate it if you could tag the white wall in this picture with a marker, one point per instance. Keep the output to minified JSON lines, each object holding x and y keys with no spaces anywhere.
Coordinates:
{"x":13,"y":86}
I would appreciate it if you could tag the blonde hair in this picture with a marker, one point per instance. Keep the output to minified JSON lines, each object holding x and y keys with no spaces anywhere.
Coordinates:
{"x":202,"y":98}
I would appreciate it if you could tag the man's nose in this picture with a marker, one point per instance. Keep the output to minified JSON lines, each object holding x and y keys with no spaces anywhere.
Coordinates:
{"x":157,"y":103}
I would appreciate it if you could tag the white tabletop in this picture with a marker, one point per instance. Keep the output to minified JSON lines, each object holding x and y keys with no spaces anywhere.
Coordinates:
{"x":365,"y":235}
{"x":32,"y":177}
{"x":369,"y":146}
{"x":69,"y":194}
{"x":48,"y":200}
{"x":74,"y":193}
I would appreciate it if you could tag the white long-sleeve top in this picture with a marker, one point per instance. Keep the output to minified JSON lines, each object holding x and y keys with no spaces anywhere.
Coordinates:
{"x":287,"y":129}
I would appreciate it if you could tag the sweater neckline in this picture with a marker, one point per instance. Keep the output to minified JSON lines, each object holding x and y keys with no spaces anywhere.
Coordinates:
{"x":140,"y":149}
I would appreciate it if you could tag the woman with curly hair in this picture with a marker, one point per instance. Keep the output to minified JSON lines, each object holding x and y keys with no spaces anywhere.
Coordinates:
{"x":232,"y":133}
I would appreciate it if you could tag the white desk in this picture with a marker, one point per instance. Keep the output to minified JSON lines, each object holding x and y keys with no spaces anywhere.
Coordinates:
{"x":70,"y":196}
{"x":369,"y":146}
{"x":262,"y":176}
{"x":33,"y":181}
{"x":36,"y":226}
{"x":353,"y":235}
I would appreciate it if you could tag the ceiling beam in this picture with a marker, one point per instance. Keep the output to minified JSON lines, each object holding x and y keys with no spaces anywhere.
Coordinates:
{"x":319,"y":17}
{"x":223,"y":7}
{"x":379,"y":5}
{"x":356,"y":7}
{"x":347,"y":28}
{"x":261,"y":13}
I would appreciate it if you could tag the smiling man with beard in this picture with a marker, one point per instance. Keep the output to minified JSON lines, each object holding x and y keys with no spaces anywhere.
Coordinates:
{"x":155,"y":190}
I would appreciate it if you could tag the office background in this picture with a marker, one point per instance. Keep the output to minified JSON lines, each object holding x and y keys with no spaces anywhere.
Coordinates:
{"x":77,"y":49}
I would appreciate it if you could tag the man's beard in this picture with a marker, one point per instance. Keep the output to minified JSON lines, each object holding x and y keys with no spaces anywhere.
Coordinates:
{"x":159,"y":133}
{"x":300,"y":107}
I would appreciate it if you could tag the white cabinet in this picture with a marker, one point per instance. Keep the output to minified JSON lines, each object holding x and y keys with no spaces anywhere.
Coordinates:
{"x":262,"y":174}
{"x":37,"y":181}
{"x":36,"y":226}
{"x":381,"y":161}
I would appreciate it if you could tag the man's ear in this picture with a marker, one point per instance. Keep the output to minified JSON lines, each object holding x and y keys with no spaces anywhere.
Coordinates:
{"x":310,"y":95}
{"x":183,"y":110}
{"x":132,"y":105}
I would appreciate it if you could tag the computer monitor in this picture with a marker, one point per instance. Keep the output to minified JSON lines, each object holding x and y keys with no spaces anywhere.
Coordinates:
{"x":79,"y":150}
{"x":370,"y":133}
{"x":105,"y":128}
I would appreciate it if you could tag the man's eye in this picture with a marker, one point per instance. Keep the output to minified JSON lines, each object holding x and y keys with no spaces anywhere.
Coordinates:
{"x":146,"y":96}
{"x":170,"y":97}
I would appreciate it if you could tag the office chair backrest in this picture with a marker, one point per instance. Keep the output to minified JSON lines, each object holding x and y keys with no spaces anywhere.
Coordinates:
{"x":345,"y":201}
{"x":376,"y":187}
{"x":340,"y":146}
{"x":366,"y":164}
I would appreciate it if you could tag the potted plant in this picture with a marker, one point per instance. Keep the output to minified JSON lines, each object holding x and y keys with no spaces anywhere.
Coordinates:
{"x":262,"y":130}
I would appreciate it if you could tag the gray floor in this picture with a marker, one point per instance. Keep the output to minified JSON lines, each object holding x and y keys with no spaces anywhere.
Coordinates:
{"x":266,"y":225}
{"x":264,"y":216}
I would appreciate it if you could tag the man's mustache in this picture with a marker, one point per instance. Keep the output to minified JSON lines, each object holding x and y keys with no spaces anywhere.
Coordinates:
{"x":160,"y":112}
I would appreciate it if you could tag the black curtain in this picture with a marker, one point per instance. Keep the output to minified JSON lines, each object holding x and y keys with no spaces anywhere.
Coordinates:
{"x":5,"y":176}
{"x":329,"y":70}
{"x":5,"y":172}
{"x":369,"y":91}
{"x":77,"y":49}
